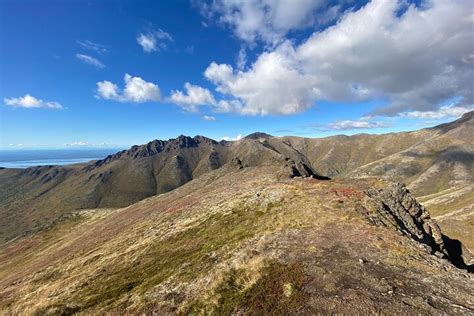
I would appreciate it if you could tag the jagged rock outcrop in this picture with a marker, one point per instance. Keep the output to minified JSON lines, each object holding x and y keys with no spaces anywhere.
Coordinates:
{"x":294,"y":169}
{"x":397,"y":208}
{"x":237,"y":163}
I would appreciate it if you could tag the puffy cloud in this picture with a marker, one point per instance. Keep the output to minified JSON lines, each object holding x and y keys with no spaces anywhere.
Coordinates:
{"x":148,"y":43}
{"x":90,"y":60}
{"x":209,"y":118}
{"x":95,"y":47}
{"x":108,"y":90}
{"x":192,"y":98}
{"x":414,"y":60}
{"x":413,"y":57}
{"x":153,"y":40}
{"x":226,"y":106}
{"x":273,"y":85}
{"x":136,"y":90}
{"x":443,"y":112}
{"x":264,"y":20}
{"x":28,"y":101}
{"x":229,"y":139}
{"x":219,"y":73}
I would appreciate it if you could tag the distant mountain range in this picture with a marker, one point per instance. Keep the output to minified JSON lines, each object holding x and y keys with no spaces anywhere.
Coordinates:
{"x":437,"y":164}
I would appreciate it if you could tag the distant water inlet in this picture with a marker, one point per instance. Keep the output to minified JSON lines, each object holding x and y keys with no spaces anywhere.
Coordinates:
{"x":30,"y":158}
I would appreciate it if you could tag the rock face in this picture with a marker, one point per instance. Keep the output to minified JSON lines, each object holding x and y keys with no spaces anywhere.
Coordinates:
{"x":396,"y":207}
{"x":298,"y":169}
{"x":294,"y":169}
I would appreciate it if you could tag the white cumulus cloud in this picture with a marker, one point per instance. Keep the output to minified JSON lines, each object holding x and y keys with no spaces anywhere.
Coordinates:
{"x":153,"y":40}
{"x":229,"y":139}
{"x":90,"y":60}
{"x":414,"y":60}
{"x":265,"y":20}
{"x":273,"y":85}
{"x":29,"y":101}
{"x":415,"y":57}
{"x":192,"y":98}
{"x":136,"y":90}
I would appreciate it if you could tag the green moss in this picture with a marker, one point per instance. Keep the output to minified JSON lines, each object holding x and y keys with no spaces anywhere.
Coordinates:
{"x":270,"y":294}
{"x":231,"y":293}
{"x":47,"y":276}
{"x":110,"y":292}
{"x":56,"y":310}
{"x":280,"y":291}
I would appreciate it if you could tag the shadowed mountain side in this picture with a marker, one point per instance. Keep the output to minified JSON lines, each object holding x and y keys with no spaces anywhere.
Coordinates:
{"x":32,"y":197}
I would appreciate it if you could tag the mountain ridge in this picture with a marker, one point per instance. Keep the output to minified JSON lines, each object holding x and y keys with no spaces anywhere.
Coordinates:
{"x":160,"y":166}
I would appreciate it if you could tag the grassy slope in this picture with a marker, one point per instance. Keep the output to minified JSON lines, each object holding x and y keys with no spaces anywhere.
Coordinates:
{"x":230,"y":241}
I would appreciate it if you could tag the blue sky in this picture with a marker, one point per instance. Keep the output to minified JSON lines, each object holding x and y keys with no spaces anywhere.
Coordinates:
{"x":304,"y":68}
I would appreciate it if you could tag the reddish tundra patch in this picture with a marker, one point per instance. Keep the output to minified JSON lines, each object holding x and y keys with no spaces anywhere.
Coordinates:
{"x":347,"y":193}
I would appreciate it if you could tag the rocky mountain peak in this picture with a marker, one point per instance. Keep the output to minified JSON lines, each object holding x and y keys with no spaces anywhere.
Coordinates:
{"x":258,"y":135}
{"x":204,"y":139}
{"x":183,"y":141}
{"x":153,"y":148}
